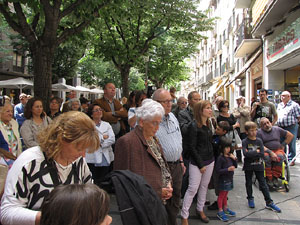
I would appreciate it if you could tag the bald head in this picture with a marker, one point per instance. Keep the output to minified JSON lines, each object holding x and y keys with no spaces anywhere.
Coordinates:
{"x":164,"y":98}
{"x":285,"y":97}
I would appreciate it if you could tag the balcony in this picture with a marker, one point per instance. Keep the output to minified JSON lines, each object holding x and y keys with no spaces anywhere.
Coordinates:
{"x":267,"y":17}
{"x":216,"y":72}
{"x":209,"y":77}
{"x":223,"y":67}
{"x":245,"y":44}
{"x":230,"y":25}
{"x":242,"y":4}
{"x":225,"y":37}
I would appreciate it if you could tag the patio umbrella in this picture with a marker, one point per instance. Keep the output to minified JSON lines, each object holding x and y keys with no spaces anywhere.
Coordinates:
{"x":82,"y":89}
{"x":97,"y":91}
{"x":20,"y":83}
{"x":62,"y":87}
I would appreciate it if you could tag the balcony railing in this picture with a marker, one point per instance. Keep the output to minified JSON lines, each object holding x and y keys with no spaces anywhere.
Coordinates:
{"x":209,"y":76}
{"x":217,"y":72}
{"x":223,"y":68}
{"x":243,"y":31}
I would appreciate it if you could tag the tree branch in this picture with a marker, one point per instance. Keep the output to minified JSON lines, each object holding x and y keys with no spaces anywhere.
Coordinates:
{"x":27,"y":32}
{"x":71,"y":8}
{"x":35,"y":22}
{"x":68,"y":32}
{"x":9,"y":19}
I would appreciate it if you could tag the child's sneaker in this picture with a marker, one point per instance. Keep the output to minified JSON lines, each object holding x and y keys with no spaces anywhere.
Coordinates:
{"x":251,"y":203}
{"x":273,"y":207}
{"x":222,"y":216}
{"x":229,"y":212}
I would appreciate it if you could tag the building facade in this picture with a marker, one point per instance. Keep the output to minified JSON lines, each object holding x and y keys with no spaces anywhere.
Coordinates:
{"x":253,"y":45}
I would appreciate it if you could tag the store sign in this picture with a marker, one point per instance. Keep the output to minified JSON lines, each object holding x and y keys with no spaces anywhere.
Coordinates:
{"x":284,"y":43}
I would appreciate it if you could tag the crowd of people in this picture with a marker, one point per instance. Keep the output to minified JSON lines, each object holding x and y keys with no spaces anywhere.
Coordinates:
{"x":180,"y":146}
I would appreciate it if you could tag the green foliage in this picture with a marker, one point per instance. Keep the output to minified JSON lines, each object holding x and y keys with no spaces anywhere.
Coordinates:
{"x":95,"y":71}
{"x":5,"y":48}
{"x":129,"y":28}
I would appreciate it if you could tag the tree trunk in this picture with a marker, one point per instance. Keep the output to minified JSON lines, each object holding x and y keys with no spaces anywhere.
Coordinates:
{"x":125,"y":70}
{"x":42,"y":64}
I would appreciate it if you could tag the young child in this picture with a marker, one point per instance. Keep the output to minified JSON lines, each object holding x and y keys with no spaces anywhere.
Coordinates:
{"x":225,"y":167}
{"x":253,"y":150}
{"x":222,"y":129}
{"x":76,"y":204}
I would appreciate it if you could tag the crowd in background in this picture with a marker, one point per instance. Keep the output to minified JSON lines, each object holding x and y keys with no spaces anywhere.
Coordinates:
{"x":180,"y":146}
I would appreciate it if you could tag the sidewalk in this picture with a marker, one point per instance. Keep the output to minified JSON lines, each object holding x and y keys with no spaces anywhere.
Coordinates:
{"x":289,"y":202}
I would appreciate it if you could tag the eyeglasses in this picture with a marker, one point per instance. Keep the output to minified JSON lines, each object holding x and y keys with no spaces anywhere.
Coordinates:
{"x":97,"y":110}
{"x":166,"y":101}
{"x":185,"y":103}
{"x":226,"y":106}
{"x":54,"y":102}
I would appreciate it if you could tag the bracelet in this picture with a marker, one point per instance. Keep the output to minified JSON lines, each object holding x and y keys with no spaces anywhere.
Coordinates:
{"x":180,"y":161}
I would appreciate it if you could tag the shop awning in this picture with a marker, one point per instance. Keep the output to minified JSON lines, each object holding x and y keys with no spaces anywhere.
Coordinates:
{"x":212,"y":88}
{"x":222,"y":84}
{"x":245,"y":67}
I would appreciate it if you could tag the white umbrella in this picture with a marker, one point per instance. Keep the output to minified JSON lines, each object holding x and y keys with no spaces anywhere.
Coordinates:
{"x":82,"y":89}
{"x":20,"y":83}
{"x":97,"y":91}
{"x":62,"y":87}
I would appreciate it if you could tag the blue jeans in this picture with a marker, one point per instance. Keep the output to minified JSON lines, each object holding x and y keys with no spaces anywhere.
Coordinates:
{"x":262,"y":185}
{"x":292,"y":146}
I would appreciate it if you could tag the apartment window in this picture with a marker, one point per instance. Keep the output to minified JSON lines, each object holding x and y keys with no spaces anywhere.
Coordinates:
{"x":17,"y":60}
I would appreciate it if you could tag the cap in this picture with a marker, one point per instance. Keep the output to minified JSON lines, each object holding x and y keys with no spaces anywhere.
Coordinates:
{"x":239,"y":97}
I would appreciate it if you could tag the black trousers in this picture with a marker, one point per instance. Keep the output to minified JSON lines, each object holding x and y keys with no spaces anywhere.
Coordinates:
{"x":262,"y":185}
{"x":173,"y":204}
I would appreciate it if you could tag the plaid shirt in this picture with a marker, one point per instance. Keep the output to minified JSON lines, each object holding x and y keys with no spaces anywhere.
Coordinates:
{"x":288,"y":114}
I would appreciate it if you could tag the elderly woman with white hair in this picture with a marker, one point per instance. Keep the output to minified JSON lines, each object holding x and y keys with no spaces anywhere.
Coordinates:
{"x":140,"y":152}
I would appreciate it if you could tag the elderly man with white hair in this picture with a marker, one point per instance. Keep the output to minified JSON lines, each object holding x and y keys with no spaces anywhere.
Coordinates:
{"x":288,"y":119}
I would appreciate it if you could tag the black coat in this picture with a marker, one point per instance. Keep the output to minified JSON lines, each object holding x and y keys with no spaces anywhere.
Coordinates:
{"x":138,"y":202}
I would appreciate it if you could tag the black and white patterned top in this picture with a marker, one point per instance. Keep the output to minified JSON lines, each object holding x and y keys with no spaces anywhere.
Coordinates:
{"x":30,"y":179}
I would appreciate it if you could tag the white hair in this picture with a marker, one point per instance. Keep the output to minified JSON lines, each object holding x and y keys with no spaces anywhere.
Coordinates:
{"x":149,"y":109}
{"x":73,"y":100}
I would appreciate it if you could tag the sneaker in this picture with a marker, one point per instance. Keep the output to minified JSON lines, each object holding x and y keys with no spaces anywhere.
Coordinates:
{"x":213,"y":206}
{"x":251,"y":203}
{"x":273,"y":207}
{"x":229,"y":212}
{"x":222,"y":216}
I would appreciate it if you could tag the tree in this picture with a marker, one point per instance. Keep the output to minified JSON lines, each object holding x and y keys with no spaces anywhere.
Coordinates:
{"x":94,"y":71}
{"x":128,"y":28}
{"x":4,"y":43}
{"x":165,"y":64}
{"x":45,"y":25}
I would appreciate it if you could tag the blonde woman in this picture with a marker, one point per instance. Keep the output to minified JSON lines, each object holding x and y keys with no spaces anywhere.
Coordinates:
{"x":57,"y":160}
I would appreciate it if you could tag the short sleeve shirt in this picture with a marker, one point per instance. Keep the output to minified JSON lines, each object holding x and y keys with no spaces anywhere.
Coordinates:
{"x":272,"y":139}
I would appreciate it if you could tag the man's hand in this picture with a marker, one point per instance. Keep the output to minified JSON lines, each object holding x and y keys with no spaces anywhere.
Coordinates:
{"x":231,"y":168}
{"x":273,"y":156}
{"x":183,"y":168}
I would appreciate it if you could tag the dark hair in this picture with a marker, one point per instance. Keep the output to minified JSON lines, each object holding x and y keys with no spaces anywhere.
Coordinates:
{"x":225,"y":142}
{"x":190,"y":95}
{"x":29,"y":105}
{"x":75,"y":204}
{"x":221,"y":104}
{"x":263,"y":90}
{"x":130,"y":99}
{"x":58,"y":99}
{"x":138,"y":96}
{"x":91,"y":108}
{"x":224,"y":125}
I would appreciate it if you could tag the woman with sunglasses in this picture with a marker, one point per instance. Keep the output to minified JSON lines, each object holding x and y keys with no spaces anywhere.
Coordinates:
{"x":100,"y":160}
{"x":226,"y":116}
